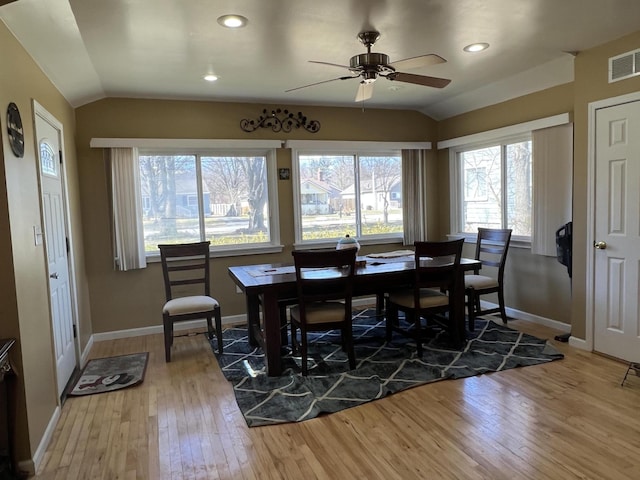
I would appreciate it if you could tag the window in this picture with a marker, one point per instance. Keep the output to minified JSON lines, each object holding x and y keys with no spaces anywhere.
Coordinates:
{"x":506,"y":177}
{"x":495,"y":186}
{"x":221,"y":196}
{"x":359,"y":194}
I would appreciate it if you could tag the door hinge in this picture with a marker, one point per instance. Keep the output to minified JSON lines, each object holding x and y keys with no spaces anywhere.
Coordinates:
{"x":75,"y":331}
{"x":66,"y":240}
{"x":60,"y":155}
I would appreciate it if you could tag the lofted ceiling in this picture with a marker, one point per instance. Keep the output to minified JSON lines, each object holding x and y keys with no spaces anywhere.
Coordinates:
{"x":92,"y":49}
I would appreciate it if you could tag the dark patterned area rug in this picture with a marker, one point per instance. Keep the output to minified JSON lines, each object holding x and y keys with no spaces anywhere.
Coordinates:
{"x":382,"y":368}
{"x":111,"y":373}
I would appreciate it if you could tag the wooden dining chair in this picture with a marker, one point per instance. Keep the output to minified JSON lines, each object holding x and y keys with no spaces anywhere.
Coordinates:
{"x":185,"y":268}
{"x":491,"y":250}
{"x":432,"y":297}
{"x":325,"y":291}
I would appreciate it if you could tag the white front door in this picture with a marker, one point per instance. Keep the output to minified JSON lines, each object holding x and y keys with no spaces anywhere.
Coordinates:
{"x":617,"y":232}
{"x":53,"y":205}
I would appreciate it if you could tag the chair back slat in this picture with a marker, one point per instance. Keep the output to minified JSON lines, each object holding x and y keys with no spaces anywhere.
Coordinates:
{"x":324,"y":275}
{"x":437,"y":265}
{"x":492,"y":247}
{"x":185,"y":264}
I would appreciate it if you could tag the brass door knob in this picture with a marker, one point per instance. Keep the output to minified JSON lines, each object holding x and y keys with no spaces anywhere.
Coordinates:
{"x":600,"y":245}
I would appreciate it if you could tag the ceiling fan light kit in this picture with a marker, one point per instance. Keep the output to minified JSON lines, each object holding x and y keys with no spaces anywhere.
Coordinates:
{"x":371,"y":65}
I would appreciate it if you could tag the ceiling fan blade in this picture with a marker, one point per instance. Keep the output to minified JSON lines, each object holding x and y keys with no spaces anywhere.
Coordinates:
{"x":365,"y":92}
{"x":319,"y":83}
{"x":418,"y":79}
{"x":330,"y":64}
{"x":417,"y":62}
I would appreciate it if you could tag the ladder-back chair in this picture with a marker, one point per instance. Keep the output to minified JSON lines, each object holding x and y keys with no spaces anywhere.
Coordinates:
{"x":185,"y":268}
{"x":491,"y":249}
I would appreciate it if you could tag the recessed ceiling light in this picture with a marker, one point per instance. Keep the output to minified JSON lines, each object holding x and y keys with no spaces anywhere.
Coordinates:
{"x":476,"y":47}
{"x":210,"y":77}
{"x":232,"y":21}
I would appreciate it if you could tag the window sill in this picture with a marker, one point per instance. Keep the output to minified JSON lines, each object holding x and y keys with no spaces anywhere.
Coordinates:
{"x":310,"y":245}
{"x":232,"y":251}
{"x":516,"y":242}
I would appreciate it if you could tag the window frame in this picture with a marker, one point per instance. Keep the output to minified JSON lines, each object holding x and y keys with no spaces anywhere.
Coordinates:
{"x":374,"y":149}
{"x":274,"y":245}
{"x":458,"y":187}
{"x":488,"y":137}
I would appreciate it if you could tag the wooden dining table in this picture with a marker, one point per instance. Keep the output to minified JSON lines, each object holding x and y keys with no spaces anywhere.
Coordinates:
{"x":269,"y":284}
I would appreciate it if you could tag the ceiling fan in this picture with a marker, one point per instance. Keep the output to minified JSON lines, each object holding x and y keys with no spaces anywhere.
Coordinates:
{"x":369,"y":66}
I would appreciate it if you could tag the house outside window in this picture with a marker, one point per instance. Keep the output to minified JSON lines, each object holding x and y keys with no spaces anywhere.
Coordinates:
{"x":495,"y":186}
{"x":336,"y":194}
{"x":224,"y":197}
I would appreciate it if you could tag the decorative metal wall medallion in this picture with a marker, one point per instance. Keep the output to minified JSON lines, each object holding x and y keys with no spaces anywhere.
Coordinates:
{"x":280,"y":121}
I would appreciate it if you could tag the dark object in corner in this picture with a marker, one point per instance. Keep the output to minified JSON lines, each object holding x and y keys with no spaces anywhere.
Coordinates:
{"x":564,"y":242}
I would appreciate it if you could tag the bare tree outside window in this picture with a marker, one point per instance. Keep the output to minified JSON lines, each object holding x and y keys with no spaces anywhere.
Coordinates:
{"x":255,"y":170}
{"x":160,"y":177}
{"x":519,"y":188}
{"x":229,"y":207}
{"x":383,"y":174}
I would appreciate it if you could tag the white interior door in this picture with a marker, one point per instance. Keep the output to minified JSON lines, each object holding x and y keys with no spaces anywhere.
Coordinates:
{"x":53,"y":204}
{"x":617,"y":232}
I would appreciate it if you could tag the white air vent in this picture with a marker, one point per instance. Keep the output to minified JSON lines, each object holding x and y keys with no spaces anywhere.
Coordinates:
{"x":624,"y":66}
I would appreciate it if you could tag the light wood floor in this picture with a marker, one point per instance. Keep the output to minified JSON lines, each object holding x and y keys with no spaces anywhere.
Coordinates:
{"x":565,"y":420}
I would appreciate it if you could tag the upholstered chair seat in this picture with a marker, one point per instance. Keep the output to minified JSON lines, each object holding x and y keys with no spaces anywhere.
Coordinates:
{"x":321,"y":312}
{"x":428,"y":298}
{"x":480,"y":281}
{"x":187,"y":305}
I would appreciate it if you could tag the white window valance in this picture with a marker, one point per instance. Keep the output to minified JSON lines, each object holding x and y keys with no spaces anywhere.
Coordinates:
{"x":499,"y":133}
{"x":182,"y":143}
{"x":360,"y":146}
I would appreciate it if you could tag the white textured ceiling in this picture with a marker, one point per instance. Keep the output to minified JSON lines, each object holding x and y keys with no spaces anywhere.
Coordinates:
{"x":91,"y":49}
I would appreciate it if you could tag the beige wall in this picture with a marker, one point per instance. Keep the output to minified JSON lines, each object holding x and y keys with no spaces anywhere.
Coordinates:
{"x":134,"y":299}
{"x":591,"y":84}
{"x":24,"y":305}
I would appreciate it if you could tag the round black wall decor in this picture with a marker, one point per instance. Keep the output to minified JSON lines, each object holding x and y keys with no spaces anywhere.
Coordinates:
{"x":14,"y":128}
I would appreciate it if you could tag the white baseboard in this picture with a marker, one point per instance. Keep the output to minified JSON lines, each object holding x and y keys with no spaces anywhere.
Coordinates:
{"x":228,"y":320}
{"x":32,"y":466}
{"x":242,"y":319}
{"x":529,"y":317}
{"x":579,"y":343}
{"x":84,"y":356}
{"x":181,"y":326}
